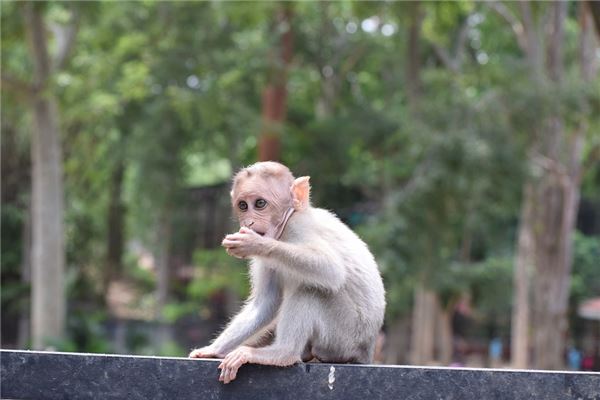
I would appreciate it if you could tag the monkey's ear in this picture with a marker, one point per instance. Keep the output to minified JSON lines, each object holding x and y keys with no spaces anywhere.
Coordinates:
{"x":301,"y":193}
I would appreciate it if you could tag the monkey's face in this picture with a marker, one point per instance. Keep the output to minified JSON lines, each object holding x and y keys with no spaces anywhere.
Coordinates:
{"x":261,"y":204}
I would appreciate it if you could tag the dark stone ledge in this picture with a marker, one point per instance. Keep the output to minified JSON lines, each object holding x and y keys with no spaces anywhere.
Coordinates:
{"x":47,"y":375}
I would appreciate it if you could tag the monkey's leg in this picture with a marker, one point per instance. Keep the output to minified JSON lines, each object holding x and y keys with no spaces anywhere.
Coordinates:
{"x":262,"y":338}
{"x":294,"y":331}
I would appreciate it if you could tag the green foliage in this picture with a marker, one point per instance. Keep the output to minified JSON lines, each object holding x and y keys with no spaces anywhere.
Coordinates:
{"x":85,"y":333}
{"x":585,"y":280}
{"x":216,"y":270}
{"x":171,"y":93}
{"x":490,"y":284}
{"x":142,"y":277}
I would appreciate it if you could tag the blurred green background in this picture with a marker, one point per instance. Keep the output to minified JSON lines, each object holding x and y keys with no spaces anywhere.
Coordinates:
{"x":459,"y":139}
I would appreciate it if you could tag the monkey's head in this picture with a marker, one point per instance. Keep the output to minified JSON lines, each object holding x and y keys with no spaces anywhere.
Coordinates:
{"x":264,"y":196}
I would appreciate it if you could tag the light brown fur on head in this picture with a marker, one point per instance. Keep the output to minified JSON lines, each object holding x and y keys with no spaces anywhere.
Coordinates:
{"x":274,"y":183}
{"x":268,"y":170}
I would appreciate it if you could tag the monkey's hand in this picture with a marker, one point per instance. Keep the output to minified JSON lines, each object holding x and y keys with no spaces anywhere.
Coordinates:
{"x":246,"y":243}
{"x":233,"y":361}
{"x":205,"y":352}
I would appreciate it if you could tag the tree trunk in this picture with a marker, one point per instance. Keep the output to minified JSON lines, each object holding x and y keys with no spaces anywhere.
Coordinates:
{"x":115,"y":229}
{"x":48,"y":258}
{"x":24,"y":335}
{"x":594,"y":7}
{"x":413,"y":66}
{"x":559,"y":195}
{"x":549,"y":208}
{"x":558,"y":205}
{"x":162,"y":333}
{"x":423,"y":326}
{"x":396,"y":341}
{"x":444,"y":333}
{"x":274,"y":97}
{"x":163,"y":275}
{"x":423,"y":318}
{"x":521,"y":282}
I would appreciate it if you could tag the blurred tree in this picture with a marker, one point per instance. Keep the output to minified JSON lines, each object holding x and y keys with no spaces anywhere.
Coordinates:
{"x":47,"y":261}
{"x":274,"y":97}
{"x":412,"y":116}
{"x":552,"y":191}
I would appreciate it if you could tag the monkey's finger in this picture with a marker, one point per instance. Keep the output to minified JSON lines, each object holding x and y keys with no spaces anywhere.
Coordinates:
{"x":238,"y":360}
{"x":236,"y":240}
{"x":223,"y":373}
{"x":227,"y":376}
{"x":235,"y":252}
{"x":233,"y":373}
{"x":237,"y":235}
{"x":230,"y":242}
{"x":231,"y":251}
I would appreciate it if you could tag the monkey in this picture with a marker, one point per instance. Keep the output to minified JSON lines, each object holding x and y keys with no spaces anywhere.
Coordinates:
{"x":316,"y":290}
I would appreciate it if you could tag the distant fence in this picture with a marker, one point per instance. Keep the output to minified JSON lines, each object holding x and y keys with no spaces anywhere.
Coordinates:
{"x":47,"y":375}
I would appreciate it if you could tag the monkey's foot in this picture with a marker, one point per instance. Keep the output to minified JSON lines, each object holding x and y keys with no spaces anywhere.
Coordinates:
{"x":233,"y":361}
{"x":204,"y":352}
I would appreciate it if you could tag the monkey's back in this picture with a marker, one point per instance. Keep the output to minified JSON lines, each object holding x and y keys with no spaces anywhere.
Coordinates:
{"x":361,"y":300}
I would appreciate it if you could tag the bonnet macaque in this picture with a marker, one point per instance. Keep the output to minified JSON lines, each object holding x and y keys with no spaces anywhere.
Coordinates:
{"x":316,"y":289}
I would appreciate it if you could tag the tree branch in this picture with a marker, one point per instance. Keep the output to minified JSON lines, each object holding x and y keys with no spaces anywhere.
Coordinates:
{"x":512,"y":20}
{"x":587,"y":59}
{"x":461,"y":39}
{"x":555,"y":46}
{"x":444,"y":56}
{"x":65,"y":38}
{"x":594,"y":7}
{"x":36,"y":34}
{"x":454,"y":62}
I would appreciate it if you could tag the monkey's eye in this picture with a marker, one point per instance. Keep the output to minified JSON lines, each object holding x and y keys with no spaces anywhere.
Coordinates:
{"x":260,"y":203}
{"x":242,"y":205}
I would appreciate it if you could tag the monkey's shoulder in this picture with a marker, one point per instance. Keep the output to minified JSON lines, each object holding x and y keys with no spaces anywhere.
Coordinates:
{"x":320,"y":226}
{"x":314,"y":218}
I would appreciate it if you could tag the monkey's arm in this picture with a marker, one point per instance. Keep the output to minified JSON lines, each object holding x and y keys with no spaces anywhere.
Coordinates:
{"x":258,"y":312}
{"x":316,"y":263}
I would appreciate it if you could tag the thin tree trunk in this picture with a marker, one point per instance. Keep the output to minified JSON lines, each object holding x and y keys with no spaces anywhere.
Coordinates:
{"x":594,"y":7}
{"x":423,"y":318}
{"x":274,"y":98}
{"x":396,"y":342}
{"x":24,"y":317}
{"x":163,"y":275}
{"x":115,"y":229}
{"x":445,"y":335}
{"x":524,"y":263}
{"x":413,"y":66}
{"x":423,"y":326}
{"x":48,"y":258}
{"x":163,"y":332}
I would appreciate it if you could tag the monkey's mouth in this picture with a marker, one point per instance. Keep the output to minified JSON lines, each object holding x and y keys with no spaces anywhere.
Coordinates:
{"x":259,"y":232}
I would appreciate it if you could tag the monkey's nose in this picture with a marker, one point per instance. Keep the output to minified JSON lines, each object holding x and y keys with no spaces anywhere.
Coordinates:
{"x":249,"y":224}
